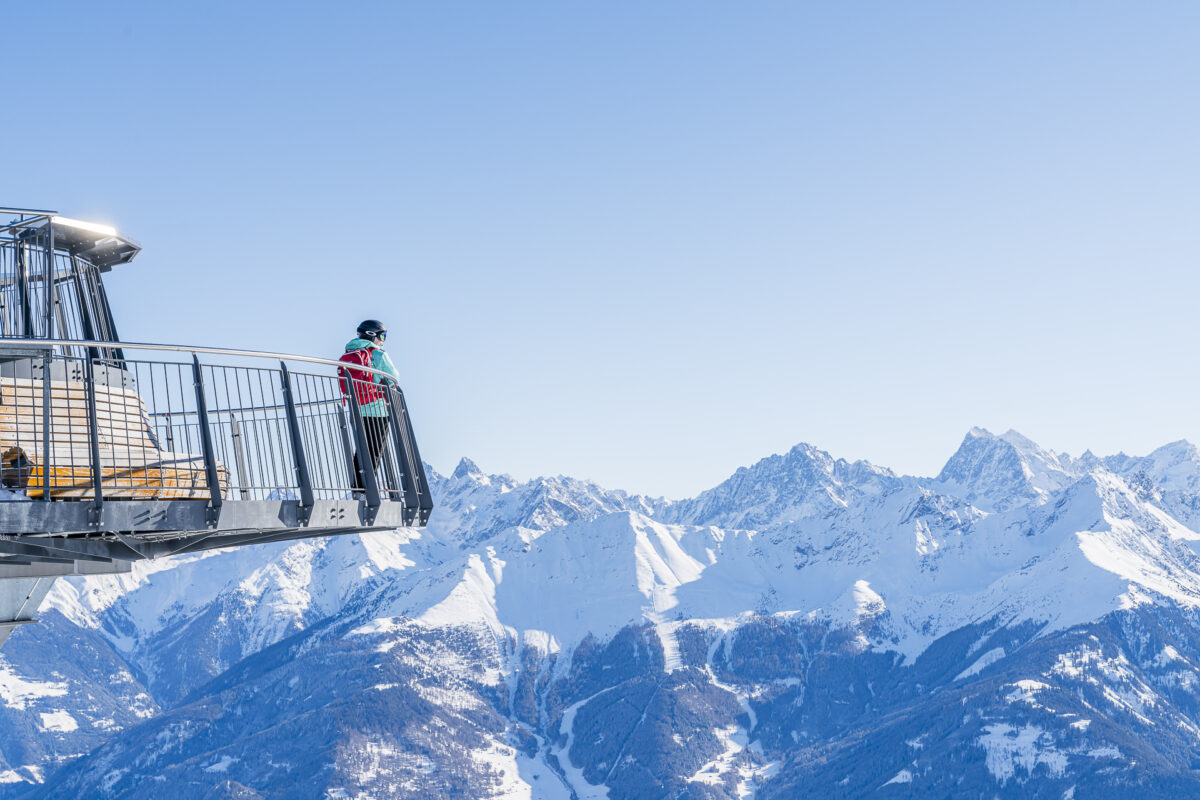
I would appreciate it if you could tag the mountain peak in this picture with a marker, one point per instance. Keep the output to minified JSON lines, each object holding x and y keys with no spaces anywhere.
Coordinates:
{"x":804,"y":482}
{"x":1011,"y":436}
{"x":995,"y":472}
{"x":466,"y":468}
{"x":1019,"y":441}
{"x":808,"y":451}
{"x":1181,"y":450}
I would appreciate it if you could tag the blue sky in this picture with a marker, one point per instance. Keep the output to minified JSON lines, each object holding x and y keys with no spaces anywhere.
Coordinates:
{"x":646,"y":243}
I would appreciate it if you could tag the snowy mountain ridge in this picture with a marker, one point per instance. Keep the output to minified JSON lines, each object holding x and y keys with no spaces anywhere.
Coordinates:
{"x":928,"y":567}
{"x":785,"y":535}
{"x":528,"y":614}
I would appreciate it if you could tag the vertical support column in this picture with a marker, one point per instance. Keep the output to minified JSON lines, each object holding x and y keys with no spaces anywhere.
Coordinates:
{"x":48,"y":281}
{"x":83,"y":298}
{"x":46,"y":425}
{"x":23,"y":290}
{"x":96,"y":511}
{"x":206,"y":444}
{"x":302,"y":476}
{"x":109,"y":323}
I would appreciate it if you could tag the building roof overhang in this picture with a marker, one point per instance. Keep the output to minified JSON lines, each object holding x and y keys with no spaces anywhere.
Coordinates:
{"x":102,"y":245}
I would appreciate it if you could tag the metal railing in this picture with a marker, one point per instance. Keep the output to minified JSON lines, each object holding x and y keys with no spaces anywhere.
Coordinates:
{"x":78,"y":423}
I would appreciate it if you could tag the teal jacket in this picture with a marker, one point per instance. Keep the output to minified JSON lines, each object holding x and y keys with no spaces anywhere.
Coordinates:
{"x":379,"y":360}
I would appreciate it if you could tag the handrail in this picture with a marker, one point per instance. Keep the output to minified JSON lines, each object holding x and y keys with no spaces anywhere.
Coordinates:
{"x":27,"y":211}
{"x":245,"y":409}
{"x":181,"y":348}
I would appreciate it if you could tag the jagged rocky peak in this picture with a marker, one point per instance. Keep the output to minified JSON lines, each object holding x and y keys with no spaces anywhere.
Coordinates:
{"x":467,"y":477}
{"x":802,"y":483}
{"x":474,"y":506}
{"x":996,"y":473}
{"x":467,"y":469}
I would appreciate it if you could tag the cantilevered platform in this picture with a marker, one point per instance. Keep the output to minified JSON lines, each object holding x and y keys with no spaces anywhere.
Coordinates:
{"x":114,"y":451}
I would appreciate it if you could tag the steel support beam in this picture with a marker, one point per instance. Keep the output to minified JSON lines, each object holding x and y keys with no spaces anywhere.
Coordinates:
{"x":48,"y":280}
{"x":424,"y":499}
{"x":303,"y":480}
{"x":23,"y":287}
{"x":206,"y":444}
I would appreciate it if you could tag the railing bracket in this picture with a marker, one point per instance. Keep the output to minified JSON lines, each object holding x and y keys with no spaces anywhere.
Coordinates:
{"x":206,"y":444}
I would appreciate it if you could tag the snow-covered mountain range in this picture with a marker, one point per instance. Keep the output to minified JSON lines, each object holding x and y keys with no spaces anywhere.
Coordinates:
{"x":1024,"y":624}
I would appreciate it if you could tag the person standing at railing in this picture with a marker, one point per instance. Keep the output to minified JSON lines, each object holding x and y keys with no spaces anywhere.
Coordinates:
{"x":366,"y":350}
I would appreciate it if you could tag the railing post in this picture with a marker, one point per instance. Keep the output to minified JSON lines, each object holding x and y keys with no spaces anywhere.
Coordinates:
{"x":206,"y":444}
{"x":418,"y":502}
{"x":97,"y":509}
{"x":302,"y":476}
{"x":365,"y":468}
{"x":46,"y":426}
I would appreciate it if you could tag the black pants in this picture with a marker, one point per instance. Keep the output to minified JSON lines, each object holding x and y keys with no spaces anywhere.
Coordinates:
{"x":376,"y":429}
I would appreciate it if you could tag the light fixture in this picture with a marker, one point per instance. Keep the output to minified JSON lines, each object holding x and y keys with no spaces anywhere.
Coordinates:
{"x":91,"y":227}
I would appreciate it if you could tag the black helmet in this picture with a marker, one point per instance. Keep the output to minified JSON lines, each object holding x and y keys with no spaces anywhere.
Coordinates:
{"x":371,"y":328}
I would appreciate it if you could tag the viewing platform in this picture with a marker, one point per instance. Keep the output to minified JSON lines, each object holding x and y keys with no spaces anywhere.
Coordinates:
{"x":113,"y":451}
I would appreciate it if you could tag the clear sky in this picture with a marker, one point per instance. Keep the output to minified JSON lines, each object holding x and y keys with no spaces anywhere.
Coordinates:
{"x":647,"y":243}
